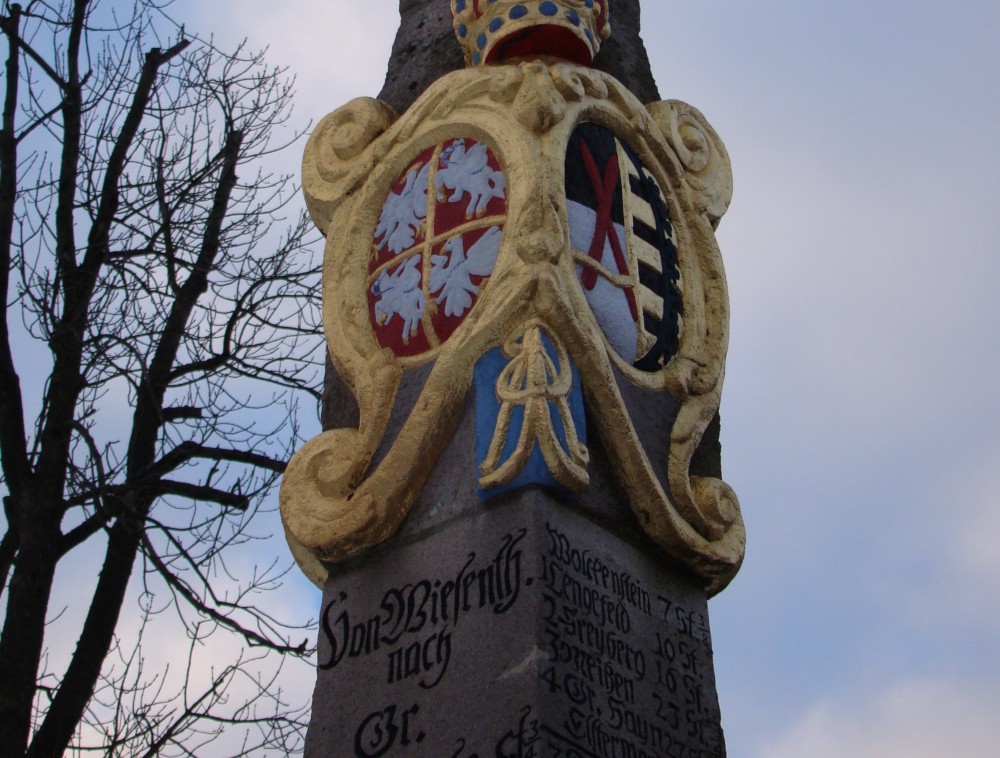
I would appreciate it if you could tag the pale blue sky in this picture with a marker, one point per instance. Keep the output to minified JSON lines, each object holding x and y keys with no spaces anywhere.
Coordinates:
{"x":860,"y":418}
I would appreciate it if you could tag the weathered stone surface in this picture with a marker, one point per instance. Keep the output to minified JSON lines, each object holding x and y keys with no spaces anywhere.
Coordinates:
{"x":624,"y":54}
{"x":589,"y":643}
{"x":425,"y":49}
{"x":519,"y":629}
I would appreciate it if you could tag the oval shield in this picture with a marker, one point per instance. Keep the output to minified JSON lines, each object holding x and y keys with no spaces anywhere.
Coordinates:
{"x":435,"y":245}
{"x":623,"y":246}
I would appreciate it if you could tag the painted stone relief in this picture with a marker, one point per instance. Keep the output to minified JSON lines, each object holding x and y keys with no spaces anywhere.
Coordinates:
{"x":435,"y":245}
{"x":538,"y":234}
{"x":496,"y":30}
{"x":622,"y":242}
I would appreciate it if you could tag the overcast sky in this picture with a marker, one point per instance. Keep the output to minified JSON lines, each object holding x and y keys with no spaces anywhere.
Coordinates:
{"x":860,"y":417}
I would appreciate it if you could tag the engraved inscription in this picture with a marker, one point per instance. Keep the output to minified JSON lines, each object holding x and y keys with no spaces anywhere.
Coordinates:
{"x":381,"y":730}
{"x":564,"y":644}
{"x":627,"y":664}
{"x":411,"y":631}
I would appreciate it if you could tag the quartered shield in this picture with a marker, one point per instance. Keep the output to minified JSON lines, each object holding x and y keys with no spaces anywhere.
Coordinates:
{"x":435,"y":245}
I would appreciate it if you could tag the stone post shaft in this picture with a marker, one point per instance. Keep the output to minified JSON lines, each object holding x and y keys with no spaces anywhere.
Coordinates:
{"x":477,"y":603}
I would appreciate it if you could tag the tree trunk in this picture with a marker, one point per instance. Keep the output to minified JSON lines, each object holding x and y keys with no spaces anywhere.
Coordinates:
{"x":21,"y":640}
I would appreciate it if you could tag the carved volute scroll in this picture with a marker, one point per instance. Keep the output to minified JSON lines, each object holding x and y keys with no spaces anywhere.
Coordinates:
{"x":530,"y":228}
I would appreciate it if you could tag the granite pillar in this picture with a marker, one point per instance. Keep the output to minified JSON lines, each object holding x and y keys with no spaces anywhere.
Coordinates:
{"x":538,"y":623}
{"x":531,"y":625}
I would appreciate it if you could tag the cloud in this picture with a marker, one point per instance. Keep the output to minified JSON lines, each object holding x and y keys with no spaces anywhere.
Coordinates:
{"x":959,"y":533}
{"x":336,"y":50}
{"x":975,"y":546}
{"x":914,"y":719}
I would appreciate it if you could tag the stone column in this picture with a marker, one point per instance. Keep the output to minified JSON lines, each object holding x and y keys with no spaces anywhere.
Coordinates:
{"x":538,"y":622}
{"x":532,"y":625}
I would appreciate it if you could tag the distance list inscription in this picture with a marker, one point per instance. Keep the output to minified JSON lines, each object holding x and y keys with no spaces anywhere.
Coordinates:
{"x":607,"y":665}
{"x":628,"y":665}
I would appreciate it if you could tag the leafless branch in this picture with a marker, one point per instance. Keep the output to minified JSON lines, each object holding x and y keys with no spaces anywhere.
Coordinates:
{"x":174,"y":320}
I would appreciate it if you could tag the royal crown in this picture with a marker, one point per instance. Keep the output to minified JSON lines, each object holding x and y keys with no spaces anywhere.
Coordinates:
{"x":494,"y":30}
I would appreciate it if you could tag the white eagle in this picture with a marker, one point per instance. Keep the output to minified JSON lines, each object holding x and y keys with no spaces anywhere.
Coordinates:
{"x":451,"y":274}
{"x":468,"y":171}
{"x":403,"y":213}
{"x":400,"y":293}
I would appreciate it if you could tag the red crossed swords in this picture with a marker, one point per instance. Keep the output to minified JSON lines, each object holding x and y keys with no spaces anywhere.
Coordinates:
{"x":604,"y":189}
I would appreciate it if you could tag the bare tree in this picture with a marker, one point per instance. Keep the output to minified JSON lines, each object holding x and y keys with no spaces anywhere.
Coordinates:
{"x":173,"y":327}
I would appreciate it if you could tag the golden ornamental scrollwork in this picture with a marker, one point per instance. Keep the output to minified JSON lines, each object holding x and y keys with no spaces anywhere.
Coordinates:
{"x":533,"y":382}
{"x":707,"y":170}
{"x":329,"y":168}
{"x":455,"y":237}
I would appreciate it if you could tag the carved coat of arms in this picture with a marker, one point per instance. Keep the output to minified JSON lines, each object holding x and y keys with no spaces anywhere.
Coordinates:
{"x":538,"y":233}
